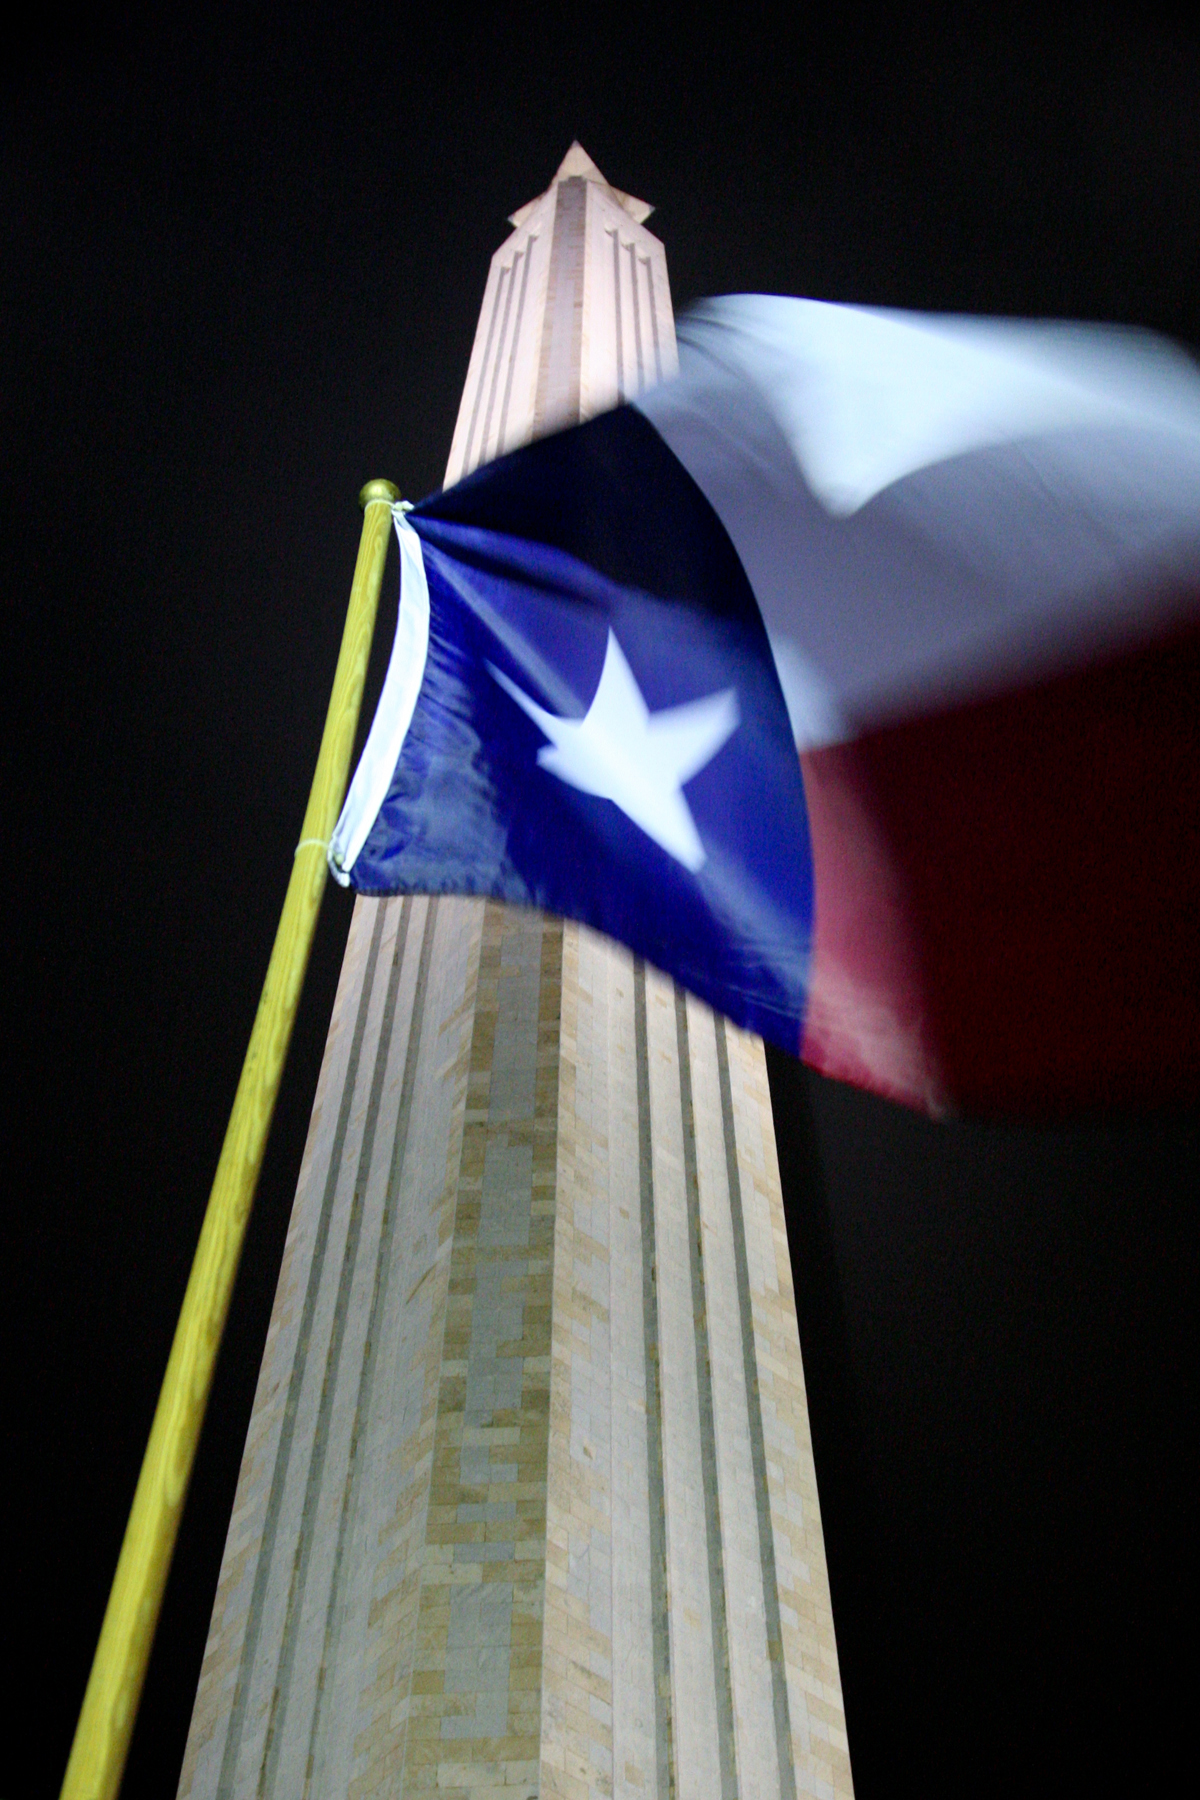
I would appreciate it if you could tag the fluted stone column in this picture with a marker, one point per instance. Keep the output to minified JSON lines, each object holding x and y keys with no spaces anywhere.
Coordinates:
{"x":527,"y":1505}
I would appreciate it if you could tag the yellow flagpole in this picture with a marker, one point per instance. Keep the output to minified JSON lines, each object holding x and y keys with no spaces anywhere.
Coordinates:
{"x":114,"y":1687}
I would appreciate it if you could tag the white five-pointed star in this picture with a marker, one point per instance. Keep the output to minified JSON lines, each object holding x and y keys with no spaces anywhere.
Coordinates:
{"x":639,"y":760}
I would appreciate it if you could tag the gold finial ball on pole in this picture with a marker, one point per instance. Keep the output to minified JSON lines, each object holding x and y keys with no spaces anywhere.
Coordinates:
{"x":379,"y":490}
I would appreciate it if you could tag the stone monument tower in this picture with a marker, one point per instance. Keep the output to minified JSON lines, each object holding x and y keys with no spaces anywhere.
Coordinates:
{"x":527,"y":1505}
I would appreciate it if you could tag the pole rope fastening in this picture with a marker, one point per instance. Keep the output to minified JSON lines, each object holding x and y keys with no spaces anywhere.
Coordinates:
{"x":319,"y":843}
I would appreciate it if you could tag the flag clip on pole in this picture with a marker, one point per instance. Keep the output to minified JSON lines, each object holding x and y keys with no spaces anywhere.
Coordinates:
{"x":114,"y":1686}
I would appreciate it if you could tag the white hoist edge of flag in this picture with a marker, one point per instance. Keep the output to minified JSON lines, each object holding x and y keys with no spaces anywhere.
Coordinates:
{"x":393,"y":715}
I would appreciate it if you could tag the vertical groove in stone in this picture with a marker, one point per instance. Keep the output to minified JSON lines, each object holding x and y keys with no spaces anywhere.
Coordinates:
{"x":656,"y":340}
{"x":616,"y":244}
{"x":538,"y":1309}
{"x":660,"y":1598}
{"x":637,"y":317}
{"x":508,"y":279}
{"x":708,"y":1443}
{"x":758,"y":1454}
{"x":390,"y":1704}
{"x":483,"y":373}
{"x":515,"y":341}
{"x":249,"y":1656}
{"x":316,"y":1468}
{"x":383,"y":1270}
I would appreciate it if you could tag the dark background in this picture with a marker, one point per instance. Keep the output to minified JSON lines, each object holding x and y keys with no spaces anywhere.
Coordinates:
{"x":242,"y":261}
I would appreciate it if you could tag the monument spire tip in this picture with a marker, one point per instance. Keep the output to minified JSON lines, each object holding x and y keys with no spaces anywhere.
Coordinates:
{"x":578,"y":164}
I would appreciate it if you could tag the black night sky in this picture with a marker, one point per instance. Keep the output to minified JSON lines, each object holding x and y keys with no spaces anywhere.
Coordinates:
{"x":243,"y":257}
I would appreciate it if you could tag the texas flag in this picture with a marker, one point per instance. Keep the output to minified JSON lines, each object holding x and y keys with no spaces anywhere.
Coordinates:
{"x":853,"y":679}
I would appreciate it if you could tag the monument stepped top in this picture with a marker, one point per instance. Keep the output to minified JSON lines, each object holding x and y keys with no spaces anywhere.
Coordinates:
{"x":577,"y":162}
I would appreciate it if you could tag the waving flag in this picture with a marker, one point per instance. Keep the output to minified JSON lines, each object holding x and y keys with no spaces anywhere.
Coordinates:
{"x":851,"y":678}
